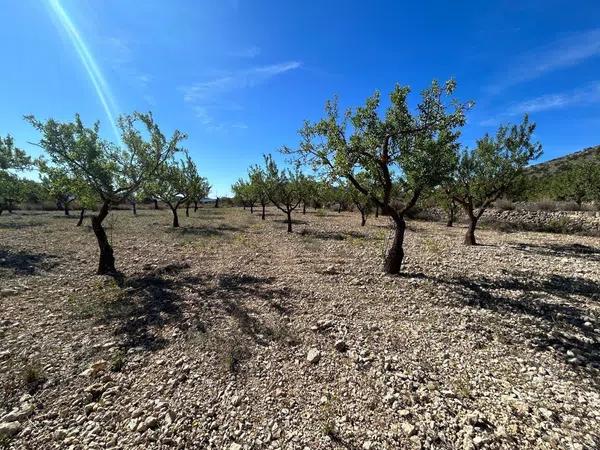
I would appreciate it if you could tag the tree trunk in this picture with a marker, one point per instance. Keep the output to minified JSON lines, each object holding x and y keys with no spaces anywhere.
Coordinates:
{"x":106,"y":264}
{"x":1,"y":209}
{"x":175,"y":218}
{"x":155,"y":204}
{"x":217,"y":202}
{"x":395,"y":255}
{"x":376,"y":210}
{"x":187,"y":210}
{"x":66,"y":208}
{"x":244,"y":207}
{"x":9,"y":206}
{"x":450,"y":217}
{"x":470,"y":236}
{"x":289,"y":221}
{"x":134,"y":207}
{"x":195,"y":206}
{"x":263,"y":212}
{"x":303,"y":207}
{"x":339,"y":208}
{"x":363,"y":218}
{"x":251,"y":208}
{"x":81,"y":214}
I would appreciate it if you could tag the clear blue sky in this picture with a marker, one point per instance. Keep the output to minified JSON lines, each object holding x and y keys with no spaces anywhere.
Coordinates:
{"x":241,"y":76}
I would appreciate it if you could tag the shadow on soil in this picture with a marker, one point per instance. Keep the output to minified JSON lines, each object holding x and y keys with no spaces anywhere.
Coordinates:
{"x":167,"y":296}
{"x":334,"y":235}
{"x":25,"y":263}
{"x":580,"y":251}
{"x":556,"y":308}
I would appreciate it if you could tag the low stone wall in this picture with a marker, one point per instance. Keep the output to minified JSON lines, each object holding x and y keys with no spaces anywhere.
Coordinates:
{"x":569,"y":222}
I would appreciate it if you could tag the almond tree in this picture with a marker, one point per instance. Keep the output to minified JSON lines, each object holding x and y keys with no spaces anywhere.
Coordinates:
{"x":414,"y":150}
{"x":112,"y":172}
{"x":176,"y":183}
{"x":489,"y":171}
{"x":11,"y":159}
{"x":283,"y":189}
{"x":259,"y":186}
{"x":244,"y":193}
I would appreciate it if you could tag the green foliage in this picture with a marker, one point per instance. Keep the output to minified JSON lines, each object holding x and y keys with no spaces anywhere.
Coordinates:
{"x":64,"y":187}
{"x":244,"y":192}
{"x":112,"y":172}
{"x":400,"y":151}
{"x":12,"y":189}
{"x":12,"y":157}
{"x":282,"y":185}
{"x":492,"y":168}
{"x":177,"y":182}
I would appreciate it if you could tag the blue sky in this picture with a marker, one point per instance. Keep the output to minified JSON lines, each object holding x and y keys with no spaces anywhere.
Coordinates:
{"x":240,"y":77}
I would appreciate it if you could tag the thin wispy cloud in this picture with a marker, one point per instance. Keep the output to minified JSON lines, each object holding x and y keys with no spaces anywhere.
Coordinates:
{"x":587,"y":95}
{"x":563,"y":53}
{"x":210,"y":89}
{"x":211,"y":95}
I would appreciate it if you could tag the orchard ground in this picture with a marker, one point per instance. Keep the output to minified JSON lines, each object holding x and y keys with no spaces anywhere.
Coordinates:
{"x":231,"y":333}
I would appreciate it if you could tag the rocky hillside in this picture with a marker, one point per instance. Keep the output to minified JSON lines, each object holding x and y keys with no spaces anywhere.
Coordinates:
{"x":557,"y":164}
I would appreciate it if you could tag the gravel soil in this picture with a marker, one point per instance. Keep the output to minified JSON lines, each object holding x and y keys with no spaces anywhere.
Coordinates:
{"x":230,"y":333}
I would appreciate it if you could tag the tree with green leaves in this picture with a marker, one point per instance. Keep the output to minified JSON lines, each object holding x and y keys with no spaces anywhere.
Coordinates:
{"x":244,"y":193}
{"x":413,"y":150}
{"x":12,"y":159}
{"x":307,"y":186}
{"x":283,"y":188}
{"x":486,"y":173}
{"x":59,"y":184}
{"x":259,"y":186}
{"x":361,"y":201}
{"x":112,"y":172}
{"x":176,"y":182}
{"x":64,"y":188}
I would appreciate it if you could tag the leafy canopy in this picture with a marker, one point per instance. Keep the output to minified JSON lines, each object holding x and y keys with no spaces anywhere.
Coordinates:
{"x":112,"y":171}
{"x":413,"y":150}
{"x":490,"y":170}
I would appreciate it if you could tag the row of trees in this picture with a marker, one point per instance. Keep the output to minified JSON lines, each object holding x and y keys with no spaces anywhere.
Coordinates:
{"x":80,"y":164}
{"x":392,"y":160}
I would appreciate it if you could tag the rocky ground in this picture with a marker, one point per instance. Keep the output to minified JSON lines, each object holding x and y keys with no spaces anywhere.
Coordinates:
{"x":230,"y":333}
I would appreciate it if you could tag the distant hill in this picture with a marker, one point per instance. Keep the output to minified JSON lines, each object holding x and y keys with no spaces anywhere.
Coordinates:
{"x":558,"y":164}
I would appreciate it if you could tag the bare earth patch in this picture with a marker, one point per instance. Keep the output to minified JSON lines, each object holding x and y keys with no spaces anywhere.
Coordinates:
{"x":229,"y":331}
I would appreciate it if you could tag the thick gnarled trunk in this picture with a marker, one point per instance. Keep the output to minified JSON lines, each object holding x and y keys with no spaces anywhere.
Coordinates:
{"x":155,"y":203}
{"x":470,"y":235}
{"x":393,"y":260}
{"x":81,"y":216}
{"x":263,"y":211}
{"x":106,"y":264}
{"x":175,"y":217}
{"x":289,"y":221}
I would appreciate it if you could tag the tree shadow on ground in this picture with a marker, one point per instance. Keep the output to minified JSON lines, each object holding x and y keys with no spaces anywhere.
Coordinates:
{"x":558,"y":306}
{"x":294,"y":221}
{"x":18,"y":225}
{"x":166,"y":296}
{"x":24,"y":263}
{"x":218,"y":230}
{"x":334,"y":235}
{"x":575,"y":250}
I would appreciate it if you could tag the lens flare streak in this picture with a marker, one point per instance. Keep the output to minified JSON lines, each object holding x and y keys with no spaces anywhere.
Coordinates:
{"x":89,"y":63}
